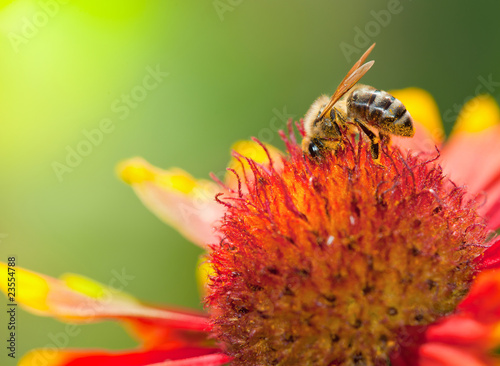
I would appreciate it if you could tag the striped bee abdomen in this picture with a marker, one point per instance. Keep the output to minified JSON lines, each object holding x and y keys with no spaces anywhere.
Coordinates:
{"x":379,"y":109}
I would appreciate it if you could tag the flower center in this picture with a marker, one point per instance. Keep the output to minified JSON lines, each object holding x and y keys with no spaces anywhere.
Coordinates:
{"x":327,"y":262}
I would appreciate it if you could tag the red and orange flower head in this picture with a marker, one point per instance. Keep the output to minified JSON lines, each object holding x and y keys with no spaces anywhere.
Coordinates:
{"x":325,"y":262}
{"x":330,"y":261}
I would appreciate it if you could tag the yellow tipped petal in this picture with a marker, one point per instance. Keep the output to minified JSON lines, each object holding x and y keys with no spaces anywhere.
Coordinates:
{"x":46,"y":295}
{"x":137,"y":171}
{"x":178,"y":199}
{"x":31,"y":289}
{"x":423,"y":109}
{"x":44,"y":356}
{"x":477,"y":115}
{"x":78,"y":299}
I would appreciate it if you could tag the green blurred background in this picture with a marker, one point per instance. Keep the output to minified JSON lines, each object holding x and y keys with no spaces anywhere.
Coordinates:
{"x":235,"y":68}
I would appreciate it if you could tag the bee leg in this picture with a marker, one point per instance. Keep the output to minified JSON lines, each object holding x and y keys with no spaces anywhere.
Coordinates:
{"x":374,"y":142}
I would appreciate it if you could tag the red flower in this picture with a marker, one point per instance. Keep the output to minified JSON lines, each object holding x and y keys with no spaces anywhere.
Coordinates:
{"x":329,"y":262}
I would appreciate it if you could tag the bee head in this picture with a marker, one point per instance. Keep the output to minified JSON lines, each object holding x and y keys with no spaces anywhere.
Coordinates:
{"x":315,"y":147}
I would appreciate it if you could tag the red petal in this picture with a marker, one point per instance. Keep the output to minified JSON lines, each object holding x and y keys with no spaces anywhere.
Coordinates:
{"x":209,"y":360}
{"x":153,"y":334}
{"x":460,"y":160}
{"x":491,"y":257}
{"x":483,"y":301}
{"x":492,"y":209}
{"x":458,"y":330}
{"x":435,"y":354}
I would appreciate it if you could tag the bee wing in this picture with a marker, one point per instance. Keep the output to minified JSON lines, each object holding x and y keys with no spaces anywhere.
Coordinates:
{"x":353,"y":76}
{"x":346,"y":85}
{"x":359,"y":62}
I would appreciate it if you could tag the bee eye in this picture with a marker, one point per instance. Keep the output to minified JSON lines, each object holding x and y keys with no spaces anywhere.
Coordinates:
{"x":315,"y":147}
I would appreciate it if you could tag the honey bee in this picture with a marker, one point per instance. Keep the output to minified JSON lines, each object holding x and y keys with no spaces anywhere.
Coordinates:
{"x":361,"y":105}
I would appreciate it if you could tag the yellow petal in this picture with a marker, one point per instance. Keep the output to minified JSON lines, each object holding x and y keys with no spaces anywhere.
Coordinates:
{"x":178,"y":199}
{"x":477,"y":115}
{"x":252,"y":150}
{"x":203,"y":272}
{"x":423,"y":109}
{"x":31,"y":289}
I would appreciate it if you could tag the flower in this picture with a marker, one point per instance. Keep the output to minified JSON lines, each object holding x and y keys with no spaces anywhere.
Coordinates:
{"x":336,"y":261}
